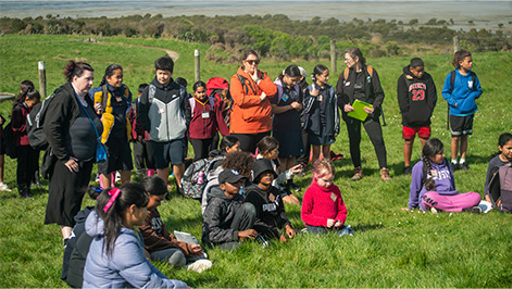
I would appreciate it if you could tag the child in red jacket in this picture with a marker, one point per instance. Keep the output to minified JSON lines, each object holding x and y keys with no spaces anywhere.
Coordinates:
{"x":204,"y":123}
{"x":28,"y":158}
{"x":323,"y":208}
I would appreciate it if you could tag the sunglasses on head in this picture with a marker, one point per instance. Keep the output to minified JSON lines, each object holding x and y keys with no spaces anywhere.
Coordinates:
{"x":251,"y":62}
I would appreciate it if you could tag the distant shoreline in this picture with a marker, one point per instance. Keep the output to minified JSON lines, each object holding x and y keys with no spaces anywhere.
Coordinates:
{"x":483,"y":14}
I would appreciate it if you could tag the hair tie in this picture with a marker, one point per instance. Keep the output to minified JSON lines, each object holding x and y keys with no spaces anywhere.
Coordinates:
{"x":114,"y":193}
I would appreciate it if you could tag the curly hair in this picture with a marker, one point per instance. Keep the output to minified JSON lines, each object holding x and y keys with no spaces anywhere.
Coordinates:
{"x":239,"y":161}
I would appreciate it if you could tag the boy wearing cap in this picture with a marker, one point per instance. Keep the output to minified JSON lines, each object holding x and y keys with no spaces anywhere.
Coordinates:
{"x":270,"y":214}
{"x":227,"y":219}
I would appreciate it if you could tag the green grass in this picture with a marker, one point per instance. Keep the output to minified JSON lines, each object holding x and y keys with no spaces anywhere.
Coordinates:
{"x":390,"y":248}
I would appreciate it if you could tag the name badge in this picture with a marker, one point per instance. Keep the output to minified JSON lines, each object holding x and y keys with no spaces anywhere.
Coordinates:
{"x":319,"y":97}
{"x":470,"y":84}
{"x":119,"y":99}
{"x":347,"y":83}
{"x":284,"y":97}
{"x":205,"y":114}
{"x":333,"y":197}
{"x":269,"y":207}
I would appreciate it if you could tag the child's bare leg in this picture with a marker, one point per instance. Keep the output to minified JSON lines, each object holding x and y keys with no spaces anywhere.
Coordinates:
{"x":163,"y":174}
{"x":455,"y":147}
{"x":178,"y":170}
{"x":423,"y":141}
{"x":125,"y":177}
{"x":316,"y":153}
{"x":326,"y":151}
{"x":463,"y":146}
{"x":408,"y":144}
{"x":105,"y":180}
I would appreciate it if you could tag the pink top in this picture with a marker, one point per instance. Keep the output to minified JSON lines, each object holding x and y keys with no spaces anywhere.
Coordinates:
{"x":320,"y":204}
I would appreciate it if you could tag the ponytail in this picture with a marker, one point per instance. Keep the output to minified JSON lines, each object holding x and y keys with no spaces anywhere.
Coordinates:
{"x":111,"y":206}
{"x":432,"y":147}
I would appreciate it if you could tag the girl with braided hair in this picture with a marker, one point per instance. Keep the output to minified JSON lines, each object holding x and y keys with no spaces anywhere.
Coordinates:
{"x":433,"y":184}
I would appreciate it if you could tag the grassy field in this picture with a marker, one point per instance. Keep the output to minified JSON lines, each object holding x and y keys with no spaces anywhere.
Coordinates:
{"x":391,"y":248}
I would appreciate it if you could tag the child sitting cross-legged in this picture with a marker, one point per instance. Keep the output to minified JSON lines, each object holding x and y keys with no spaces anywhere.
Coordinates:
{"x":323,"y":208}
{"x":159,"y":243}
{"x":270,"y":214}
{"x":227,"y":219}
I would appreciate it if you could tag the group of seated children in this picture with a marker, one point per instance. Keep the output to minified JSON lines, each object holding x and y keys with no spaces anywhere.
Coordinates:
{"x":259,"y":213}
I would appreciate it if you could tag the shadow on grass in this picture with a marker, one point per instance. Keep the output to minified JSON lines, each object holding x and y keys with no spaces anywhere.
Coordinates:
{"x":366,"y":227}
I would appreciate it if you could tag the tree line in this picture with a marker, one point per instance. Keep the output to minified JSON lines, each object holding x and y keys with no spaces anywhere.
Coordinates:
{"x":275,"y":36}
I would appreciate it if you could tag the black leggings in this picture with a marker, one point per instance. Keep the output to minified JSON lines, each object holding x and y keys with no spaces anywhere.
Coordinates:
{"x":374,"y":131}
{"x":248,"y":142}
{"x":28,"y":164}
{"x":201,"y":147}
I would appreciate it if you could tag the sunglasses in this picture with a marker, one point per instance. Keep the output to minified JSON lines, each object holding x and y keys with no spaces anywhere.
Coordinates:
{"x":251,"y":62}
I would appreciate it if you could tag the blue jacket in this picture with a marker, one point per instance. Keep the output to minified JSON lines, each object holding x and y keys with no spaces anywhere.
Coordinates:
{"x":464,"y":93}
{"x":127,"y":267}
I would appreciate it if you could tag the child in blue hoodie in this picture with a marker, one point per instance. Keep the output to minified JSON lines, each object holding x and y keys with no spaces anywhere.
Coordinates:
{"x":461,"y":89}
{"x":433,"y":184}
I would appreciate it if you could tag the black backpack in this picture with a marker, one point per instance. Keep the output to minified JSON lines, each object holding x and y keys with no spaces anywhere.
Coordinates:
{"x":8,"y":141}
{"x":500,"y":189}
{"x":35,"y":122}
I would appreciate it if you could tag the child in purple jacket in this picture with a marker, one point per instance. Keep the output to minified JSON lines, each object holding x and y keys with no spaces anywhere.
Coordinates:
{"x":433,"y":184}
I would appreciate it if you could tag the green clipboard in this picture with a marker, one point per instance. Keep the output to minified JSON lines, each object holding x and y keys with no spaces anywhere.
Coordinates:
{"x":358,"y":112}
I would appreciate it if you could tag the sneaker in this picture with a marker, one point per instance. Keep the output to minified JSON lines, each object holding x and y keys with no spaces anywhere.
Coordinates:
{"x":200,"y":265}
{"x":346,"y":231}
{"x":407,"y":170}
{"x":474,"y":210}
{"x":358,"y":174}
{"x":384,"y":174}
{"x":261,"y":240}
{"x":455,"y":167}
{"x":97,"y":179}
{"x":464,"y":166}
{"x":4,"y":187}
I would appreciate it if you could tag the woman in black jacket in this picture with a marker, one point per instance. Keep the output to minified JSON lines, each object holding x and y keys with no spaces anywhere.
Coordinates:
{"x":362,"y":82}
{"x":71,"y":129}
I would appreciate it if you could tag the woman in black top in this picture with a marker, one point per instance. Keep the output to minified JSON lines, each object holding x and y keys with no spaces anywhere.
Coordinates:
{"x":362,"y":82}
{"x":72,"y":140}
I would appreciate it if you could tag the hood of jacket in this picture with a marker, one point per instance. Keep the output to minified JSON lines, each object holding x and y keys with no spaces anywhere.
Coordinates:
{"x":94,"y":225}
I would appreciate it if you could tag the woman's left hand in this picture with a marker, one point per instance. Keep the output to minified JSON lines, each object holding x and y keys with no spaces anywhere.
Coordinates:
{"x":72,"y":165}
{"x":369,"y":110}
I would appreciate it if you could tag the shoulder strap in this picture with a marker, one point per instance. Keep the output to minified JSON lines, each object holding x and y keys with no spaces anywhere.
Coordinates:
{"x":242,"y":81}
{"x":279,"y":85}
{"x":192,"y":102}
{"x":452,"y":80}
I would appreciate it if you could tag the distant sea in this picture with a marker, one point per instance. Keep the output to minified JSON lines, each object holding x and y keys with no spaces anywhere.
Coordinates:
{"x":482,"y":14}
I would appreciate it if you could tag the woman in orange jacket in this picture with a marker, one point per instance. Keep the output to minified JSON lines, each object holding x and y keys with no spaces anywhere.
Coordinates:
{"x":251,"y":115}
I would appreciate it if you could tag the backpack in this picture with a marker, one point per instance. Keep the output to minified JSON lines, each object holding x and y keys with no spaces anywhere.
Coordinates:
{"x":8,"y":139}
{"x":244,"y":84}
{"x":369,"y":69}
{"x":452,"y":82}
{"x":195,"y":177}
{"x":35,"y":122}
{"x":500,"y":189}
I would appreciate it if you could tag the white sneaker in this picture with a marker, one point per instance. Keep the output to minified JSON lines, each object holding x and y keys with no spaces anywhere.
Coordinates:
{"x":200,"y":265}
{"x":4,"y":187}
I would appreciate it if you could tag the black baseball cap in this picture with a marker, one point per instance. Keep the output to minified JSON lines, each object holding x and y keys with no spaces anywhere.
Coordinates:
{"x":230,"y":176}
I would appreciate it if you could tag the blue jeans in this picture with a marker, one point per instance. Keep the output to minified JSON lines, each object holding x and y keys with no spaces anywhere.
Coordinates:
{"x":343,"y":231}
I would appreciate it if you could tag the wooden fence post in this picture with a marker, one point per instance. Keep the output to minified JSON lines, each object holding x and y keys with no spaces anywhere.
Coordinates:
{"x":333,"y":56}
{"x":197,"y":65}
{"x":456,"y":45}
{"x":42,"y":79}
